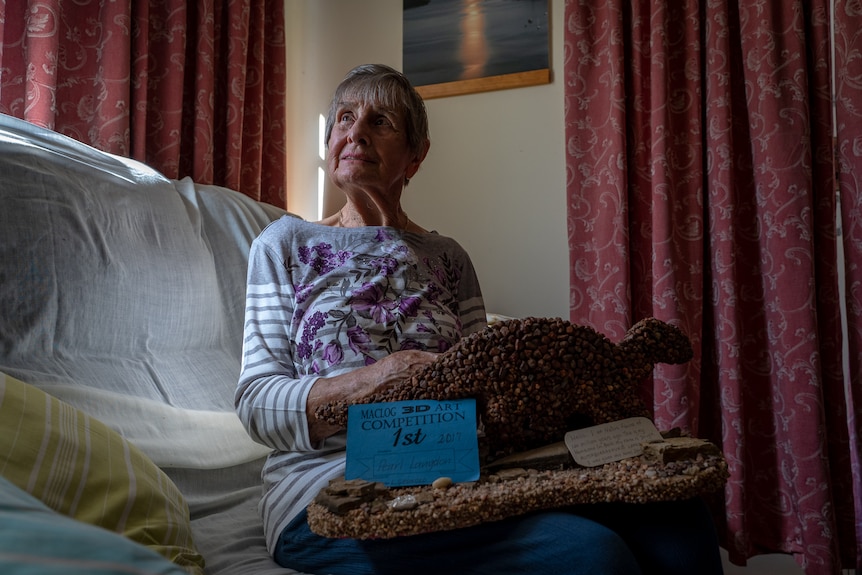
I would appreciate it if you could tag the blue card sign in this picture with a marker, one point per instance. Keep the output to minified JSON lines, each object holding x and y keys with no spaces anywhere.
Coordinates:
{"x":403,"y":443}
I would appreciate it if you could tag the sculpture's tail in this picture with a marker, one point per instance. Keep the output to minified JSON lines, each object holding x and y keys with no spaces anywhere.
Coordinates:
{"x":659,"y":341}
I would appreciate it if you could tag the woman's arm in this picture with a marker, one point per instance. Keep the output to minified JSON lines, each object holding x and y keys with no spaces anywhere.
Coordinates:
{"x":355,"y":385}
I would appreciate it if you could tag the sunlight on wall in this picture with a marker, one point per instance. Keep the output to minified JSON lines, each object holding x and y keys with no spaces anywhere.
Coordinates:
{"x":321,"y":173}
{"x":321,"y":192}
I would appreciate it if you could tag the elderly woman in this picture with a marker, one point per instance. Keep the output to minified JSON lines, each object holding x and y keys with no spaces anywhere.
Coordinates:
{"x":342,"y":308}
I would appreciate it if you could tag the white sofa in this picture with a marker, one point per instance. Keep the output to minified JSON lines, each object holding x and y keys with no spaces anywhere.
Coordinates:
{"x":122,"y":297}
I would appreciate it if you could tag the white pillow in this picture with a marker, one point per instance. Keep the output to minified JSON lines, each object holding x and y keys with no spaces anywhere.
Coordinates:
{"x":170,"y":436}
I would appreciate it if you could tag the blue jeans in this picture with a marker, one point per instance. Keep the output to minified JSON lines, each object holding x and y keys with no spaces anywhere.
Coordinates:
{"x":673,"y":538}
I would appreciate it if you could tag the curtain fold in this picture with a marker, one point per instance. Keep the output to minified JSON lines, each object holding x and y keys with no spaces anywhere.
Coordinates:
{"x":848,"y":113}
{"x":192,"y":89}
{"x":701,"y":190}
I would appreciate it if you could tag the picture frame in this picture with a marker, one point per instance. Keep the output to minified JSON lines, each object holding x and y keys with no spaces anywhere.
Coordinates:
{"x":457,"y":47}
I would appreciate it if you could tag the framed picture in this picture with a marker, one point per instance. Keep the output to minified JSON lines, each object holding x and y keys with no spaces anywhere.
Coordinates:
{"x":456,"y":47}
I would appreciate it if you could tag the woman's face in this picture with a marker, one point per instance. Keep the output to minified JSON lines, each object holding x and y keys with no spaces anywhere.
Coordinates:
{"x":368,"y":148}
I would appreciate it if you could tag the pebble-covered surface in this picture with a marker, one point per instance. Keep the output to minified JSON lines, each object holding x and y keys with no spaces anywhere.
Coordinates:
{"x":414,"y":510}
{"x":531,"y":376}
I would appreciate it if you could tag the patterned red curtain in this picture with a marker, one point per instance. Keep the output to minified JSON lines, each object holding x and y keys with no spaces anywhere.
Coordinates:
{"x":702,"y":190}
{"x":192,"y":89}
{"x":847,"y":35}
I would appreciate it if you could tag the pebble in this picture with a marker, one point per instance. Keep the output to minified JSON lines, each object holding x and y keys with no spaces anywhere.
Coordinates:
{"x":442,"y":483}
{"x":404,"y":503}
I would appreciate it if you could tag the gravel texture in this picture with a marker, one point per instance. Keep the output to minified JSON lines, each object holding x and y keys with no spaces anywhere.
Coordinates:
{"x":413,"y":510}
{"x":533,"y":379}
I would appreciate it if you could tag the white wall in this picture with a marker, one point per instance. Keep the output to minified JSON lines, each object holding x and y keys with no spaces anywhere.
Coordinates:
{"x":495,"y":176}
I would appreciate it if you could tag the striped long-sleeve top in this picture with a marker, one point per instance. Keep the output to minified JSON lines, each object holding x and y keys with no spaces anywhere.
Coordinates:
{"x":322,"y":301}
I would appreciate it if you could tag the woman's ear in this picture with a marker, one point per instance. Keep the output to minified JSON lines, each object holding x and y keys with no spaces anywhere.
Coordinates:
{"x":413,"y":166}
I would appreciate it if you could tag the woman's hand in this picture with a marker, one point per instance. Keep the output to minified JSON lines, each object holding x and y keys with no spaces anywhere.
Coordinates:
{"x":356,"y":385}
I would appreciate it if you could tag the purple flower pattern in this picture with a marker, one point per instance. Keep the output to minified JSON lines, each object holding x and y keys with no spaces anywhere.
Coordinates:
{"x":333,"y":353}
{"x":309,"y":331}
{"x":372,"y":302}
{"x":321,"y":257}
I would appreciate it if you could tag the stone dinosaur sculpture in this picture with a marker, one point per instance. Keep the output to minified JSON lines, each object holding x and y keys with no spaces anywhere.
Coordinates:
{"x":534,"y":379}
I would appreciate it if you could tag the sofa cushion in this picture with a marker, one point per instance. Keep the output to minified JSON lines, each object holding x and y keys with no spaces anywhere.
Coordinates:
{"x":123,"y":292}
{"x":107,"y":277}
{"x":79,"y":467}
{"x":170,"y":436}
{"x":35,"y":540}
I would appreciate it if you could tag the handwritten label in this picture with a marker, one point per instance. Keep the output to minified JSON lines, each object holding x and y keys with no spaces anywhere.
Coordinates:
{"x":600,"y":444}
{"x":403,"y":443}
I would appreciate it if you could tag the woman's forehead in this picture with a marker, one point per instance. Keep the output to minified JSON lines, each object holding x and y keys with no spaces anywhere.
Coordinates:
{"x":373,"y":96}
{"x":353,"y":103}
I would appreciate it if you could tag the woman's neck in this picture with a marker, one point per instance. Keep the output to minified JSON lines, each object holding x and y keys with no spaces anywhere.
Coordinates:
{"x":349,"y":217}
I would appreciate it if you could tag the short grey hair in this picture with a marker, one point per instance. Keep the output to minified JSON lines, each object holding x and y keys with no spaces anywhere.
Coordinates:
{"x":389,"y":88}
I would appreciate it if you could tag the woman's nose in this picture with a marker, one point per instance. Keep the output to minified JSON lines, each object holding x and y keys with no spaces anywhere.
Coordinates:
{"x":358,"y":132}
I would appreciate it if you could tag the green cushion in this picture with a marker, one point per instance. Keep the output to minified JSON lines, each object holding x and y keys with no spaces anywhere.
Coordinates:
{"x":79,"y":467}
{"x":35,"y":540}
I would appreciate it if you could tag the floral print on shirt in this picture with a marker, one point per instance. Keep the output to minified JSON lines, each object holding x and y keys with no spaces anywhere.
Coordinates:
{"x":369,"y":301}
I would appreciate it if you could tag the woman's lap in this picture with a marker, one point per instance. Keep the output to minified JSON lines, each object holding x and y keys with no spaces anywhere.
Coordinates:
{"x":668,"y":538}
